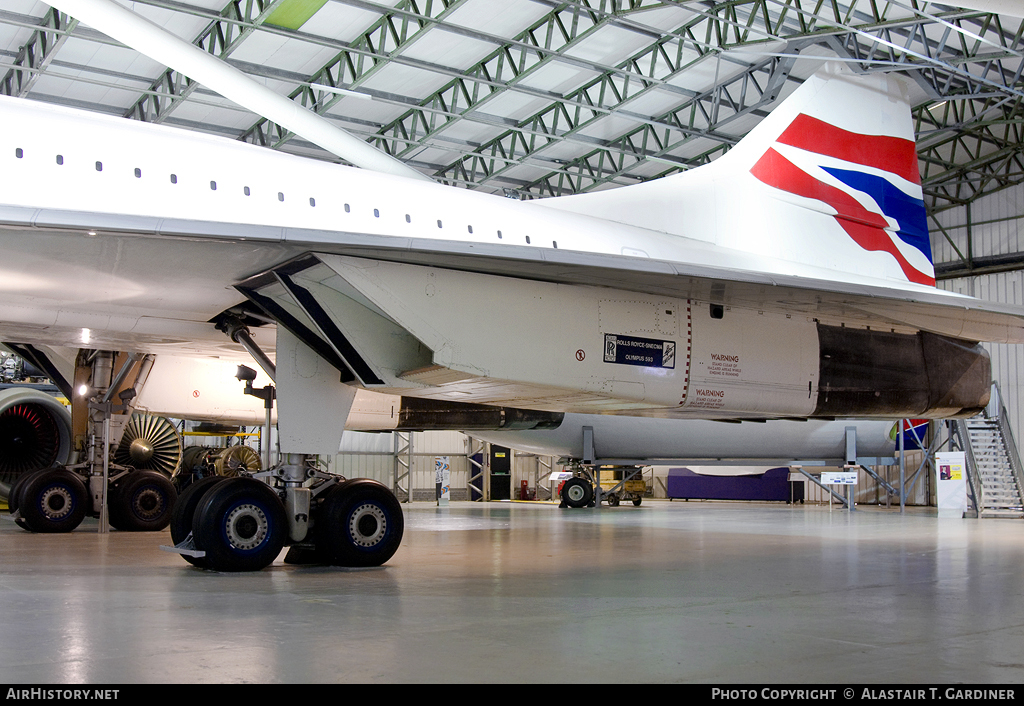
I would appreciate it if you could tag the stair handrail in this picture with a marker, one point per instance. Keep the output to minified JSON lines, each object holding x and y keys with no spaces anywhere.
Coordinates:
{"x":963,"y":436}
{"x":1008,"y":440}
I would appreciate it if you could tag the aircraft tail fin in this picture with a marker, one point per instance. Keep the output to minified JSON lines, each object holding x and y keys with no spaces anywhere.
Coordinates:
{"x":829,"y":179}
{"x":848,"y":151}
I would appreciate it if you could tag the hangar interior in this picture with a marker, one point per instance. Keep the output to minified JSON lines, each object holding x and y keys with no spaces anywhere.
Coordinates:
{"x":532,"y":99}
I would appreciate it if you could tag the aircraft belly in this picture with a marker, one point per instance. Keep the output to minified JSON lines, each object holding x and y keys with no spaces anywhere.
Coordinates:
{"x":121,"y":291}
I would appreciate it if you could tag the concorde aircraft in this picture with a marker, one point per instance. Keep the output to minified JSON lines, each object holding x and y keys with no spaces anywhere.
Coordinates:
{"x":791,"y":278}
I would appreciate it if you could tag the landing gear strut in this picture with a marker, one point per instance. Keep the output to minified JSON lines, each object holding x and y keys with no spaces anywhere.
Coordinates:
{"x":241,"y":524}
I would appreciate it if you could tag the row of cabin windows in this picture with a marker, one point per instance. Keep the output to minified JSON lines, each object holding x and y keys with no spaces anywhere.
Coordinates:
{"x":20,"y":153}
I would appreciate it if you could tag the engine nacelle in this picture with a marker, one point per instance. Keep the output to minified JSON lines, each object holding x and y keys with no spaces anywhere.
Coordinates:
{"x":35,"y":432}
{"x":446,"y":335}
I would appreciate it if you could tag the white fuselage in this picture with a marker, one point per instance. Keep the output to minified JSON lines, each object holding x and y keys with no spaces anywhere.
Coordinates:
{"x":128,"y":236}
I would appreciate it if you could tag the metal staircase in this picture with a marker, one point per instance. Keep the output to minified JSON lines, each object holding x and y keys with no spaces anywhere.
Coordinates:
{"x":993,"y":464}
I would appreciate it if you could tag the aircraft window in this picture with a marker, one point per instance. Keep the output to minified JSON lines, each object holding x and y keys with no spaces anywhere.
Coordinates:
{"x":439,"y":224}
{"x":554,"y":244}
{"x":60,"y":159}
{"x":174,"y":178}
{"x":527,"y":240}
{"x":138,"y":173}
{"x":99,"y":166}
{"x":213,"y":186}
{"x":717,"y":311}
{"x":18,"y":153}
{"x":347,"y":209}
{"x":499,"y":235}
{"x":376,"y":213}
{"x":470,"y":228}
{"x":280,"y":196}
{"x":312,"y":202}
{"x":246,"y":191}
{"x":408,"y":218}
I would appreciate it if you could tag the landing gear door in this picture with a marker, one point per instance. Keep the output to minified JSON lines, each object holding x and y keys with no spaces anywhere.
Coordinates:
{"x":313,"y":403}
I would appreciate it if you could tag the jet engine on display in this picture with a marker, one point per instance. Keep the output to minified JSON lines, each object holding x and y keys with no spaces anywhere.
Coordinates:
{"x":45,"y":470}
{"x":35,"y":432}
{"x":790,"y":279}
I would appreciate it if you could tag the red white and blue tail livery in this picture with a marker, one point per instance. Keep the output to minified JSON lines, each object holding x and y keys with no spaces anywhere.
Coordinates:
{"x":870,"y":181}
{"x":837,"y":180}
{"x":827,"y":186}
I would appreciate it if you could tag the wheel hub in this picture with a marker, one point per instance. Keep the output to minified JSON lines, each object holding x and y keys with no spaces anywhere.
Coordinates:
{"x":56,"y":503}
{"x":575,"y":493}
{"x":367,"y":525}
{"x":246,"y":527}
{"x":149,"y":504}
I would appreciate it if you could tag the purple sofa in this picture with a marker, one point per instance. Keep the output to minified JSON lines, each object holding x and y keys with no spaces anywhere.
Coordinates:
{"x":773,"y":484}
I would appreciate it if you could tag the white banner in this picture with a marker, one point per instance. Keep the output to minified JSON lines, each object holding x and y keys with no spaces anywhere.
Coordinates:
{"x":442,"y":479}
{"x":951,"y":483}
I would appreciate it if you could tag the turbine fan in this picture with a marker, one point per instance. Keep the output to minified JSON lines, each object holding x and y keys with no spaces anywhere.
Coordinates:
{"x":29,"y":438}
{"x":35,"y":432}
{"x":204,"y":461}
{"x":150,"y":443}
{"x":237,"y":458}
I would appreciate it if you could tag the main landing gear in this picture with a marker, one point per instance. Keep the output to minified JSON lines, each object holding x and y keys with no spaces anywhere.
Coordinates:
{"x":52,"y":500}
{"x":241,"y":524}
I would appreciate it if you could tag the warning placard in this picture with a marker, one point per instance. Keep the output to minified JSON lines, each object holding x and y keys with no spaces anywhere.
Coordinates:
{"x":646,"y":352}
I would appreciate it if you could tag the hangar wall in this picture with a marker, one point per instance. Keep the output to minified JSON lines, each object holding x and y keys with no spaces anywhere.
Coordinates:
{"x":988,"y":228}
{"x":373,"y":456}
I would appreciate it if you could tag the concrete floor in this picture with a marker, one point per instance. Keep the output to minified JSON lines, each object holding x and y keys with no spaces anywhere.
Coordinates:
{"x":718,"y":593}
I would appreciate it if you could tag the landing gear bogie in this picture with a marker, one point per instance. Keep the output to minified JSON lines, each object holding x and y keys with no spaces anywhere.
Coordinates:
{"x":240,"y":524}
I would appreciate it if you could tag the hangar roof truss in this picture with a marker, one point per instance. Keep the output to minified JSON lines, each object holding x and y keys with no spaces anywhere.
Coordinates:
{"x":549,"y":97}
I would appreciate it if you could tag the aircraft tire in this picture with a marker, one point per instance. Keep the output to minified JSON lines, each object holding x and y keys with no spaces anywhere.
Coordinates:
{"x":360,"y":523}
{"x":142,"y":502}
{"x":241,"y":525}
{"x":53,"y":501}
{"x":14,"y":498}
{"x":16,"y":488}
{"x":577,"y":492}
{"x":184,"y":512}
